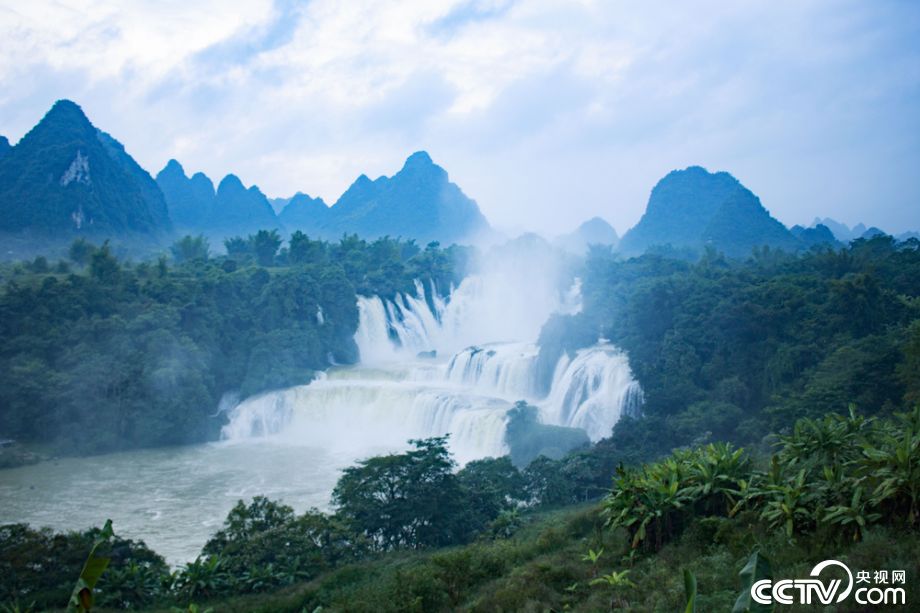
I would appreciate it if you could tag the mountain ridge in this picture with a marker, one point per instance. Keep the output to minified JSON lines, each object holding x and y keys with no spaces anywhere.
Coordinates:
{"x":594,"y":231}
{"x":66,"y":175}
{"x":418,"y":202}
{"x":694,"y":208}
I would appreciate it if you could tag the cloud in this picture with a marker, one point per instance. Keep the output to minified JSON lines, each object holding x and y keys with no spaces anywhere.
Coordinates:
{"x":545,"y":111}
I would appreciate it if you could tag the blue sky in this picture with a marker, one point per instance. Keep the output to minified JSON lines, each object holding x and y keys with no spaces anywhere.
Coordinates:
{"x":546,"y":112}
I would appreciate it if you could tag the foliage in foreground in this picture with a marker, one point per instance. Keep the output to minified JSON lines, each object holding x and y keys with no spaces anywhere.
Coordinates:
{"x":541,"y":568}
{"x":836,"y":486}
{"x":40,"y":567}
{"x":681,"y":528}
{"x":831,"y":479}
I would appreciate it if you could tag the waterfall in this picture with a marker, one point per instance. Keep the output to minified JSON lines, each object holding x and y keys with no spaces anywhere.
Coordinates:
{"x":259,"y":416}
{"x":592,"y":391}
{"x":464,"y":390}
{"x":505,"y":369}
{"x":390,"y":330}
{"x":483,"y":309}
{"x":358,"y":410}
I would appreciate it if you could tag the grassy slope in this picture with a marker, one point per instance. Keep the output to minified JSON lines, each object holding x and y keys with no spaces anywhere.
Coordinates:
{"x":541,"y":569}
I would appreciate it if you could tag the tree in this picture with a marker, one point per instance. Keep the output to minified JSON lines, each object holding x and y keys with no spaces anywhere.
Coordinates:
{"x":547,"y":484}
{"x":302,"y":250}
{"x":40,"y":567}
{"x":264,"y":544}
{"x":909,"y":369}
{"x":492,"y":485}
{"x":80,"y":251}
{"x":265,"y":244}
{"x":190,"y":249}
{"x":237,"y":246}
{"x":103,"y":265}
{"x":40,"y":265}
{"x":411,"y":499}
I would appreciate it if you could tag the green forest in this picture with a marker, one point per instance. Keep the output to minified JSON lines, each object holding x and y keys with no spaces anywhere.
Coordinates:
{"x":138,"y":354}
{"x":781,"y":426}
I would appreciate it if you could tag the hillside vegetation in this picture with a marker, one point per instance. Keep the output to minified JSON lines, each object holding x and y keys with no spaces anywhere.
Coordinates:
{"x":139,"y":354}
{"x":781,"y":417}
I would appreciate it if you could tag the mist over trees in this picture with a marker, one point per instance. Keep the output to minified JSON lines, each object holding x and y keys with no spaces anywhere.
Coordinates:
{"x":139,"y":354}
{"x":793,"y":356}
{"x":732,"y":350}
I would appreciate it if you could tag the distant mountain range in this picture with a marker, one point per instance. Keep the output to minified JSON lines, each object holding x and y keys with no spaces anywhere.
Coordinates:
{"x":417,"y":202}
{"x":845,"y":234}
{"x":693,"y":208}
{"x":66,"y":177}
{"x":819,"y":234}
{"x":840,"y":230}
{"x":197,"y":208}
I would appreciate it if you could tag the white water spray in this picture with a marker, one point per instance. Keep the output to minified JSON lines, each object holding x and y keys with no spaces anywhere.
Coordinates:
{"x":465,"y":391}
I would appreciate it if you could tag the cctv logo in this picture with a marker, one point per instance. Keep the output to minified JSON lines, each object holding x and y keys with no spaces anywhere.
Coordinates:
{"x":809,"y":591}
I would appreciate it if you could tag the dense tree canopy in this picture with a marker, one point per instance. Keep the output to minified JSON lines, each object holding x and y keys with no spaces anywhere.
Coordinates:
{"x":118,"y":355}
{"x":734,"y":350}
{"x":412,"y":499}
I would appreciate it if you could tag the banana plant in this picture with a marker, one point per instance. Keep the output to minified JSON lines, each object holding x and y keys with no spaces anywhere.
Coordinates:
{"x":714,"y":475}
{"x":787,"y":507}
{"x":831,"y":440}
{"x":615,"y":580}
{"x":756,"y":569}
{"x":81,"y":599}
{"x":618,"y":583}
{"x":593,"y":557}
{"x":895,"y":465}
{"x":855,"y":516}
{"x":204,"y":577}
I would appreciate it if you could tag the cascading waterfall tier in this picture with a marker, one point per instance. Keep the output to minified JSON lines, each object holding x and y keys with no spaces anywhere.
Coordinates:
{"x":505,"y":369}
{"x":396,"y":394}
{"x":360,"y":410}
{"x":592,"y":391}
{"x":390,"y":330}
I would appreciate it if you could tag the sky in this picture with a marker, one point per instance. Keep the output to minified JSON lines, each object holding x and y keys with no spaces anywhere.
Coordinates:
{"x":546,"y":112}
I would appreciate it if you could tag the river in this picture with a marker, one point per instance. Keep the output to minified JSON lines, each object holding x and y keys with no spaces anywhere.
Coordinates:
{"x":292,"y":444}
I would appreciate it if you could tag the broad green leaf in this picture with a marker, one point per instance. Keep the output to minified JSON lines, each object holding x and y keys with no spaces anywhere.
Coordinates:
{"x":756,"y":569}
{"x":81,"y":599}
{"x":690,"y":591}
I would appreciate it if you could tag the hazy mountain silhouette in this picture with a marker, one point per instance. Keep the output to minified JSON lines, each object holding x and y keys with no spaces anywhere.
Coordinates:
{"x":305,"y":213}
{"x":418,"y":202}
{"x":240,"y":210}
{"x":693,"y":208}
{"x":842,"y":232}
{"x":191,"y":200}
{"x":595,"y":231}
{"x":817,"y":235}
